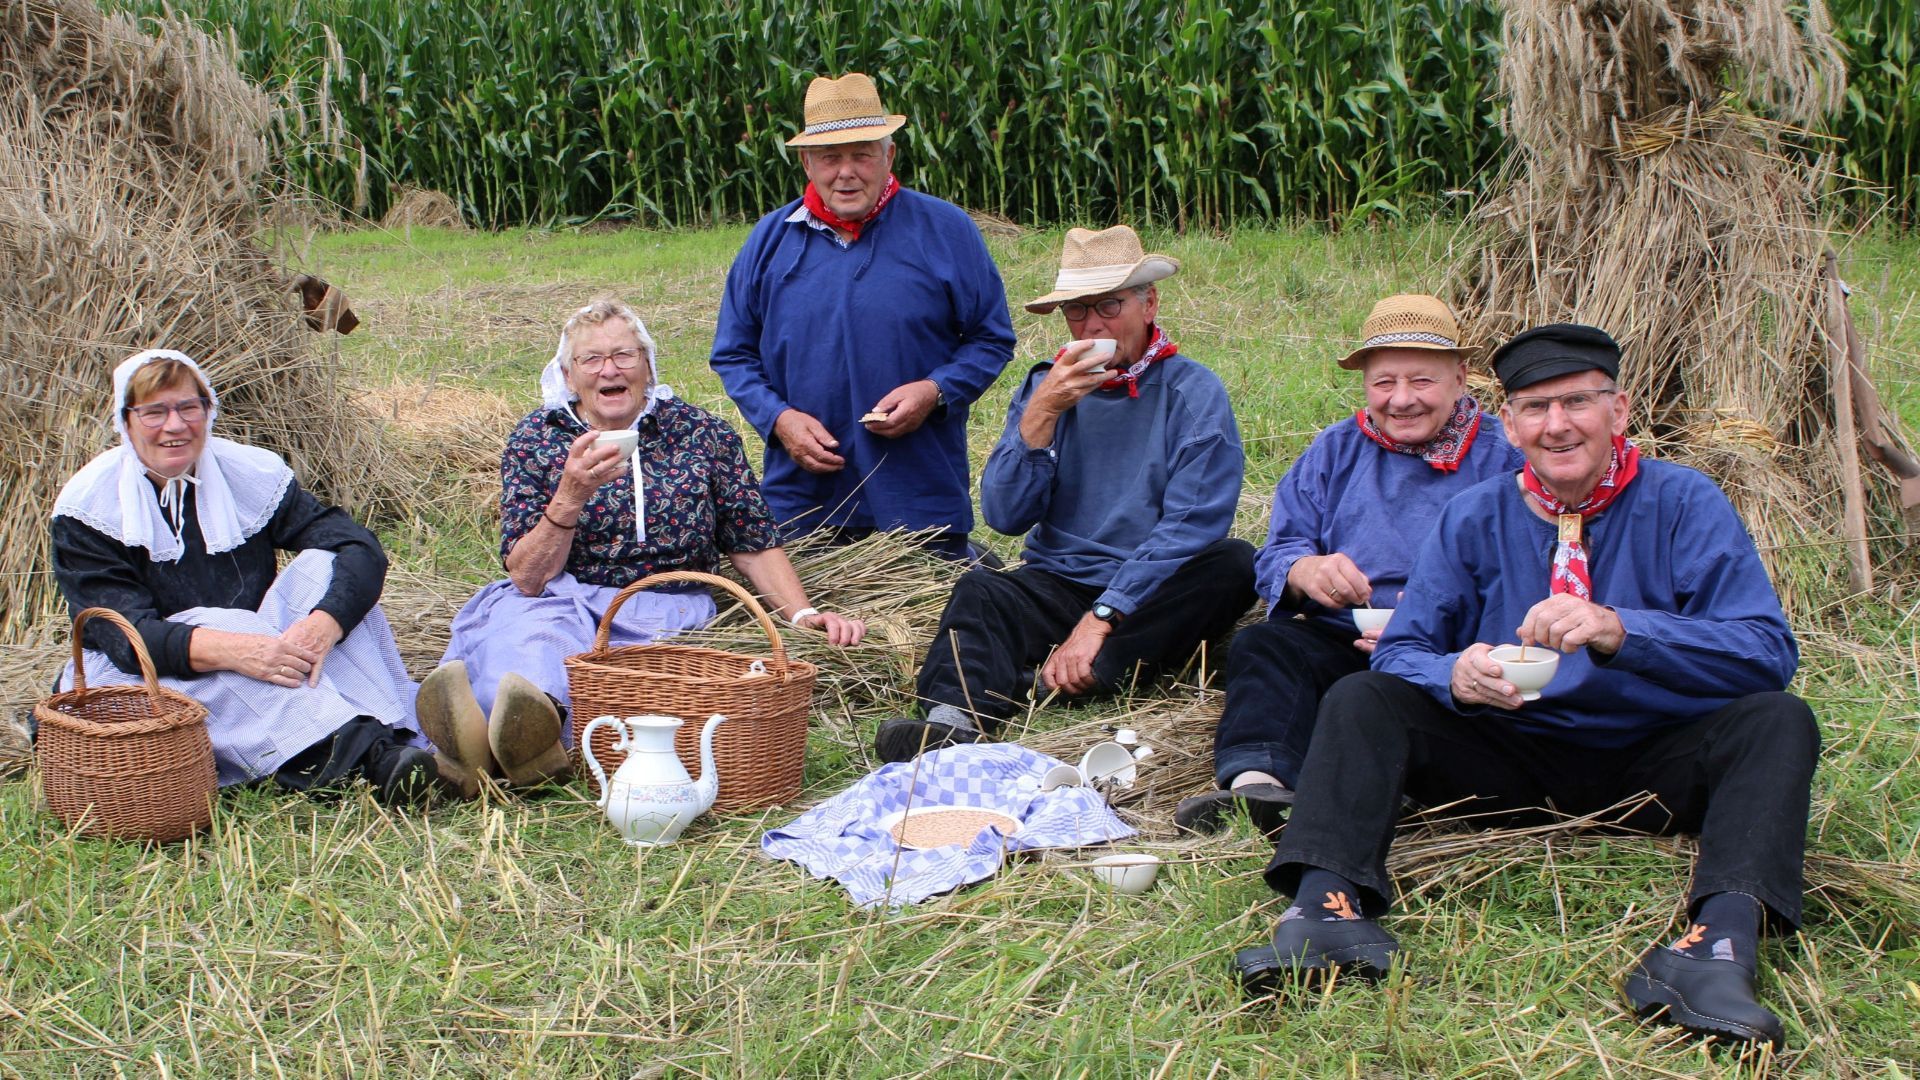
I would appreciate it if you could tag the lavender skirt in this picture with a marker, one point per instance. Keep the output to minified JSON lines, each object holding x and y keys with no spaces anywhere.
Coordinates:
{"x":502,"y":630}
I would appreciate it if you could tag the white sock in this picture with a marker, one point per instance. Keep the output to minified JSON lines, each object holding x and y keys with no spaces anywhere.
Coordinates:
{"x":1254,"y":777}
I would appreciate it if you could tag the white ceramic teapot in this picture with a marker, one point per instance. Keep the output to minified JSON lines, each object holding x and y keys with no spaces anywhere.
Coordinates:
{"x":651,"y":797}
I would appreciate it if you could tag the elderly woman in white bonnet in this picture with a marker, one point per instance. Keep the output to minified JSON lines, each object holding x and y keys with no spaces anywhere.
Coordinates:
{"x":581,"y":517}
{"x":177,"y":530}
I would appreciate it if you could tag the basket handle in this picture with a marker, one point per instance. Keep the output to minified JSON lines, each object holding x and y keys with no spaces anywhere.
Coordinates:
{"x":147,"y":672}
{"x":696,"y":577}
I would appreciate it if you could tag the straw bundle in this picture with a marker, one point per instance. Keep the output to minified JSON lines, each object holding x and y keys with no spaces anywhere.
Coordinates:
{"x":1665,"y":184}
{"x":134,"y":200}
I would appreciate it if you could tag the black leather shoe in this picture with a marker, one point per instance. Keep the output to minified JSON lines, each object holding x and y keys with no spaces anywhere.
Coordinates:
{"x":1308,"y":951}
{"x":401,"y":775}
{"x":904,"y":738}
{"x":1267,"y":806}
{"x":1707,"y":997}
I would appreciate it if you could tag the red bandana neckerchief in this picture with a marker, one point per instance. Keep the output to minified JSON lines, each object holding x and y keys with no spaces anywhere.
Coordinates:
{"x":1444,"y":450}
{"x":1570,"y":571}
{"x":1159,"y":347}
{"x":818,"y":208}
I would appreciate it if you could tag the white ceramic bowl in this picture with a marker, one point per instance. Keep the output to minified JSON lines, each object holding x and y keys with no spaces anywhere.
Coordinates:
{"x":1060,"y":776}
{"x":626,"y":441}
{"x":1131,"y":874}
{"x":1528,"y":676}
{"x":1102,"y":346}
{"x":1371,"y":618}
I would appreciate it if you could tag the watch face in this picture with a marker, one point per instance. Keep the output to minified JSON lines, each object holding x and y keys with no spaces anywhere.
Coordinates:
{"x":1103,"y":612}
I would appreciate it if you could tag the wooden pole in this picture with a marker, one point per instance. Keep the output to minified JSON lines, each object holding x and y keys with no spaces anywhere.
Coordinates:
{"x":1840,"y":385}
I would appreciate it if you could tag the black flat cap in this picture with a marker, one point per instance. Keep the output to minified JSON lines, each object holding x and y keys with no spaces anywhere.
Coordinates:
{"x":1547,"y":352}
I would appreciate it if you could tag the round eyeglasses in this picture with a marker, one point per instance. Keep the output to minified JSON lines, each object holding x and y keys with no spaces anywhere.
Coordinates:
{"x":621,"y":359}
{"x":1109,"y":307}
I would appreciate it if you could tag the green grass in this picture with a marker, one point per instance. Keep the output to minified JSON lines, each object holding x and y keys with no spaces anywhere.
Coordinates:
{"x":519,"y":937}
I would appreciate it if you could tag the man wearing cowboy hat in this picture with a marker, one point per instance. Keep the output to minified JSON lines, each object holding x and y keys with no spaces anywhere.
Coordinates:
{"x":1347,"y":520}
{"x":1123,"y":469}
{"x":859,"y":323}
{"x":1673,"y":659}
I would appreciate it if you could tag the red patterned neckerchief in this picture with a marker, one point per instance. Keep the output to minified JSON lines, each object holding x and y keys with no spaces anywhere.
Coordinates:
{"x":1570,"y":571}
{"x":818,"y":208}
{"x":1444,"y":450}
{"x":1159,"y":347}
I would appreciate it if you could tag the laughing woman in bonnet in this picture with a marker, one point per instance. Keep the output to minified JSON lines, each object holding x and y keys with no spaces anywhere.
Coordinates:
{"x":177,"y":531}
{"x":579,"y":520}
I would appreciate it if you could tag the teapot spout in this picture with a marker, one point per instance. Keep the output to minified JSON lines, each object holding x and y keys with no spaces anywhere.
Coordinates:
{"x":709,"y":783}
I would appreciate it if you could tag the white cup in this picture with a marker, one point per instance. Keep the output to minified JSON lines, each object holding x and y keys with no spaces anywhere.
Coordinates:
{"x":1102,"y":347}
{"x":1371,"y":618}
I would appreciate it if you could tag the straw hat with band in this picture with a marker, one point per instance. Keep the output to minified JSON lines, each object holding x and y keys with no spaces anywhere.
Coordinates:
{"x":845,"y":110}
{"x":1092,"y":263}
{"x":1408,"y":321}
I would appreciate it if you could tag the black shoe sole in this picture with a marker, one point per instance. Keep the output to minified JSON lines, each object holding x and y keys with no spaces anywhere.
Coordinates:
{"x":904,"y":739}
{"x":1655,"y":1001}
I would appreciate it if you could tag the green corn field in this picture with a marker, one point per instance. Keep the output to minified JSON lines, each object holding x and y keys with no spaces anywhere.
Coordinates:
{"x":1184,"y":114}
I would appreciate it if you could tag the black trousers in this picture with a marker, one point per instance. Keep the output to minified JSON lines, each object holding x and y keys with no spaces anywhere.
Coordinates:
{"x":999,"y":625}
{"x":1738,"y":776}
{"x":1276,"y":675}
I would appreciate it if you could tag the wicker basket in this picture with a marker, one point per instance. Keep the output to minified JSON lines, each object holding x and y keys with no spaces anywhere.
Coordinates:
{"x":760,"y":752}
{"x":127,"y":762}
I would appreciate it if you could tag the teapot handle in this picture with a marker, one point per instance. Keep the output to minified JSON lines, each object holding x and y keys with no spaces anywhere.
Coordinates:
{"x":586,"y":750}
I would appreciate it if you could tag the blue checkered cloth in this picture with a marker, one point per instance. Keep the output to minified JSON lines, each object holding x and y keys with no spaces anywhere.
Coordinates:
{"x":842,"y":838}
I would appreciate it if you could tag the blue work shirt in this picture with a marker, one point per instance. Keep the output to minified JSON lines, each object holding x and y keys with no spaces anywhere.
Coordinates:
{"x":1351,"y":495}
{"x":1670,"y":557}
{"x":1130,"y":488}
{"x":830,"y":330}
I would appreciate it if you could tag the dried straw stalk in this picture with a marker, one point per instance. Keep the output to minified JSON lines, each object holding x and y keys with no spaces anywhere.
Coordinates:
{"x":1665,"y":184}
{"x":136,"y":208}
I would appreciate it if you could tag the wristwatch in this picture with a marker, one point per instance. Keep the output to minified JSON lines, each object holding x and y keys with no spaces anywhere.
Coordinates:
{"x":1106,"y":613}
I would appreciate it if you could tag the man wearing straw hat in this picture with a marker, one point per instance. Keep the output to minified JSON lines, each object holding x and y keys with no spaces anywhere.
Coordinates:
{"x":1121,"y":463}
{"x":1665,"y":712}
{"x":858,"y":324}
{"x":1347,"y":519}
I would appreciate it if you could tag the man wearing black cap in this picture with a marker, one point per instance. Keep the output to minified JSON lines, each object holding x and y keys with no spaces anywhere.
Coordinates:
{"x":1674,"y":655}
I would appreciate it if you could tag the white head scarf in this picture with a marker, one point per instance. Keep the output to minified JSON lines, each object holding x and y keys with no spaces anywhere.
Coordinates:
{"x":556,"y":394}
{"x":238,"y":488}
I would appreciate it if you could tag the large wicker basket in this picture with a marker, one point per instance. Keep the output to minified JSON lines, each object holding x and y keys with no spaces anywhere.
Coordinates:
{"x":760,"y":752}
{"x":127,"y":762}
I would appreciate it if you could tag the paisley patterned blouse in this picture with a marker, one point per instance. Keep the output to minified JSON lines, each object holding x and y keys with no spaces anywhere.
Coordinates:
{"x":702,"y":500}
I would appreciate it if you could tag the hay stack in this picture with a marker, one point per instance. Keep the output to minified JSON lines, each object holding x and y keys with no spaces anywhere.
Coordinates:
{"x":134,"y":211}
{"x":1664,"y":183}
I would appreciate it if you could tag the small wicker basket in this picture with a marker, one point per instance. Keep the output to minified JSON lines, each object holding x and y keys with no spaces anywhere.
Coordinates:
{"x":127,"y":762}
{"x":760,"y":752}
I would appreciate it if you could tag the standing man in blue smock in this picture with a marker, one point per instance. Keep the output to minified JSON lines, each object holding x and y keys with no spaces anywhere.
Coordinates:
{"x":1347,"y":520}
{"x":1122,"y":464}
{"x":859,"y":323}
{"x":1674,"y":662}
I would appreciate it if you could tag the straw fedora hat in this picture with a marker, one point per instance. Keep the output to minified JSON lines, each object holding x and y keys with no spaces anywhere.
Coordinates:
{"x":1092,"y":263}
{"x":844,"y":110}
{"x":1408,"y":321}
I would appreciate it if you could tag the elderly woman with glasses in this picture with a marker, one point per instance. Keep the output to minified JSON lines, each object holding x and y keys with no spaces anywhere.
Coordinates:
{"x":581,"y":517}
{"x":178,"y":530}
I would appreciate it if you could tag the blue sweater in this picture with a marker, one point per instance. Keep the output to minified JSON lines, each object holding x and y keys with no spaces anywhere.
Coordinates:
{"x":1131,"y":487}
{"x":1349,"y":494}
{"x":809,"y":325}
{"x":1670,"y":556}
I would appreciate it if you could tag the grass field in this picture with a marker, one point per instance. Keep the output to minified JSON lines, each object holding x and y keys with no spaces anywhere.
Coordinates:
{"x":516,"y":936}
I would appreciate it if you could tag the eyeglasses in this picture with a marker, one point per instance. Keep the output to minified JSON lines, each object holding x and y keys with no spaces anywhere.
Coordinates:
{"x":621,"y":359}
{"x":192,"y":411}
{"x":1577,"y":403}
{"x":1074,"y":310}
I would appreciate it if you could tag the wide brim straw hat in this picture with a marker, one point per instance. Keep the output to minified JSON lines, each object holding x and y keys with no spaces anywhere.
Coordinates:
{"x":845,"y":110}
{"x":1408,"y":321}
{"x":1092,"y":263}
